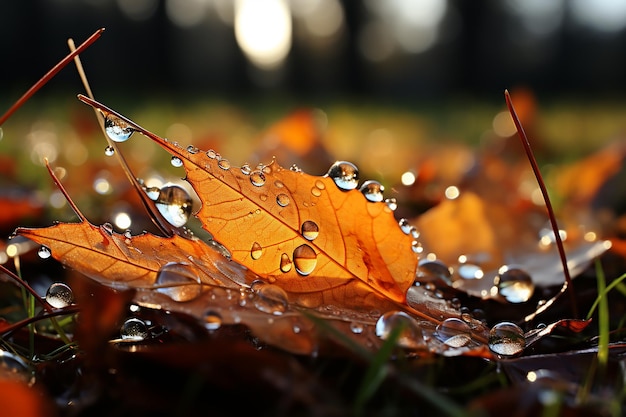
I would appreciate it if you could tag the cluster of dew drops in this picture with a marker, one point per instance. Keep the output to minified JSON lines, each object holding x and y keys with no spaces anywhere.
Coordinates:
{"x":181,"y":282}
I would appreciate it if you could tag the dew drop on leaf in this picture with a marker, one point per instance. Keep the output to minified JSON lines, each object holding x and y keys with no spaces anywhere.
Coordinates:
{"x":179,"y":281}
{"x":285,"y":263}
{"x":44,"y":252}
{"x":116,"y":129}
{"x":404,"y":226}
{"x":109,"y":151}
{"x":224,"y":164}
{"x":514,"y":284}
{"x":310,"y":230}
{"x":174,"y":204}
{"x":192,"y":149}
{"x":305,"y":259}
{"x":108,"y":227}
{"x":282,"y":200}
{"x":356,"y":327}
{"x":453,"y":332}
{"x":59,"y":295}
{"x":211,"y":154}
{"x":212,"y":320}
{"x":316,"y":192}
{"x":392,"y":203}
{"x":506,"y":339}
{"x":256,"y":251}
{"x":428,"y":270}
{"x":410,"y":336}
{"x":257,"y":178}
{"x":134,"y":329}
{"x":372,"y":190}
{"x":270,"y":298}
{"x":245,"y":169}
{"x":345,"y":174}
{"x":176,"y":162}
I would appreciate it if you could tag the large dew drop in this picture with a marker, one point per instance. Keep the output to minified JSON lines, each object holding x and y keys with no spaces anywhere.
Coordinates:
{"x":256,"y":251}
{"x":282,"y":200}
{"x":310,"y":230}
{"x":179,"y":281}
{"x":44,"y":252}
{"x":409,"y":332}
{"x":116,"y":129}
{"x":305,"y":259}
{"x":174,"y":204}
{"x":507,"y":339}
{"x":134,"y":329}
{"x":285,"y":263}
{"x":257,"y":178}
{"x":373,"y":191}
{"x":270,"y":298}
{"x":345,"y":174}
{"x":454,"y":332}
{"x":59,"y":295}
{"x":514,"y":284}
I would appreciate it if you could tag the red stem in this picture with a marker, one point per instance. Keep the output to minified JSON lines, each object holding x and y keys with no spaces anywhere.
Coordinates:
{"x":557,"y":235}
{"x":58,"y":67}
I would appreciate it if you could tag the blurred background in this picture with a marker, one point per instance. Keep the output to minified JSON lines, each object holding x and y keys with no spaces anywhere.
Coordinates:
{"x":392,"y":85}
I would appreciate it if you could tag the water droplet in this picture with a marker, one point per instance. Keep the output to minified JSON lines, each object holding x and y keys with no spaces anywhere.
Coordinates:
{"x":256,"y":251}
{"x":44,"y":252}
{"x":404,"y":226}
{"x":116,"y":129}
{"x":128,"y":234}
{"x":108,"y":227}
{"x":282,"y":200}
{"x":174,"y":204}
{"x":211,"y":154}
{"x":410,"y":336}
{"x":212,"y":320}
{"x":372,"y":190}
{"x":153,"y":192}
{"x":224,"y":164}
{"x":428,"y":270}
{"x":245,"y":169}
{"x":305,"y":259}
{"x":270,"y":298}
{"x":109,"y":151}
{"x":392,"y":203}
{"x":257,"y":178}
{"x":310,"y":230}
{"x":345,"y":174}
{"x":295,"y":168}
{"x":285,"y":263}
{"x":59,"y":295}
{"x":416,"y":247}
{"x":134,"y":329}
{"x":319,"y":184}
{"x":514,"y":284}
{"x":176,"y":162}
{"x":278,"y":184}
{"x":470,"y":271}
{"x":507,"y":339}
{"x":454,"y":332}
{"x":316,"y":192}
{"x":179,"y":281}
{"x":192,"y":149}
{"x":356,"y":327}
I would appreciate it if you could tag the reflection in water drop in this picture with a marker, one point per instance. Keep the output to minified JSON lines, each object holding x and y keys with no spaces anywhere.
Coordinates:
{"x":507,"y":339}
{"x":345,"y":174}
{"x":153,"y":193}
{"x":109,"y":151}
{"x":245,"y":169}
{"x":224,"y":164}
{"x":372,"y":190}
{"x":453,"y":332}
{"x":212,"y":320}
{"x":410,"y":335}
{"x":134,"y":329}
{"x":174,"y":204}
{"x":428,"y":270}
{"x":176,"y":162}
{"x":305,"y":259}
{"x":392,"y":203}
{"x":257,"y":178}
{"x":282,"y":200}
{"x":285,"y":263}
{"x":514,"y":284}
{"x":179,"y":281}
{"x":44,"y":252}
{"x":116,"y":129}
{"x":356,"y":327}
{"x":316,"y":192}
{"x":192,"y":149}
{"x":310,"y":230}
{"x":211,"y":154}
{"x":270,"y":298}
{"x":404,"y":226}
{"x":59,"y":295}
{"x":256,"y":251}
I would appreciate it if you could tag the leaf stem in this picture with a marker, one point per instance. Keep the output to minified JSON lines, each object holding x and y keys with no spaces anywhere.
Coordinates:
{"x":568,"y":284}
{"x":43,"y":80}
